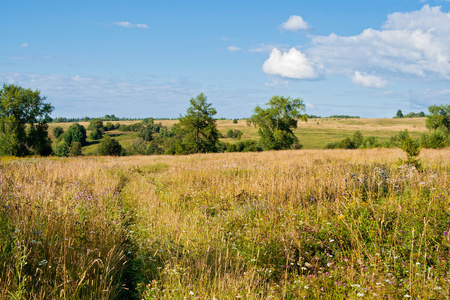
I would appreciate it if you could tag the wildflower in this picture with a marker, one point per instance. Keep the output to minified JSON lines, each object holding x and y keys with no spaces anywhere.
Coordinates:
{"x":191,"y":293}
{"x":306,"y":287}
{"x":407,"y":296}
{"x":360,"y":295}
{"x":43,"y":262}
{"x":445,"y":233}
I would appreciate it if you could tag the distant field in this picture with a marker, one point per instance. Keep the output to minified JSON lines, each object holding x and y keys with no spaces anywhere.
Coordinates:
{"x":314,"y":134}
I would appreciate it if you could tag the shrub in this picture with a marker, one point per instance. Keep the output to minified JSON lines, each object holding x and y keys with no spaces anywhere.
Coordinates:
{"x":411,"y":148}
{"x":75,"y":133}
{"x":234,"y":134}
{"x":138,"y":146}
{"x":109,"y":146}
{"x":108,"y":127}
{"x":369,"y":143}
{"x":95,"y":134}
{"x":435,"y":139}
{"x":96,"y":128}
{"x":58,"y":131}
{"x":75,"y":149}
{"x":62,"y":149}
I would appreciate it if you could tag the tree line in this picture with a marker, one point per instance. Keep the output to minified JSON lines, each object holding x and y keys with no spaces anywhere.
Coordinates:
{"x":24,"y":118}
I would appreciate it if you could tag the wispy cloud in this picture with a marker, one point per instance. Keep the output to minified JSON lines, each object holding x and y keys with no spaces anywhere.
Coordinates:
{"x":234,"y":49}
{"x":295,"y":23}
{"x":267,"y":48}
{"x":24,"y":45}
{"x":371,"y":81}
{"x":93,"y":96}
{"x":130,"y":25}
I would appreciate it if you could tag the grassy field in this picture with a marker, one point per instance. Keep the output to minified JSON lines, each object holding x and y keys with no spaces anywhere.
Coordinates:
{"x":314,"y":134}
{"x":304,"y":224}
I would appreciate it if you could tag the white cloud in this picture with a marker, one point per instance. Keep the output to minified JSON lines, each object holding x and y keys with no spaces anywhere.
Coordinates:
{"x":427,"y":97}
{"x":267,"y":48}
{"x":130,"y":25}
{"x":295,"y":23}
{"x":234,"y":49}
{"x":291,"y":64}
{"x":409,"y":45}
{"x":413,"y":44}
{"x":368,"y":80}
{"x":277,"y":83}
{"x":24,"y":45}
{"x":93,"y":96}
{"x":309,"y":105}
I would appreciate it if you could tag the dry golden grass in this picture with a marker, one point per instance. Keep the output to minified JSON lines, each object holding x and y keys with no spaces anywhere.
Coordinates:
{"x":330,"y":224}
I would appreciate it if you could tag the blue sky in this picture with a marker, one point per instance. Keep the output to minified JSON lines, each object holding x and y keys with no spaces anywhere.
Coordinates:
{"x":148,"y":58}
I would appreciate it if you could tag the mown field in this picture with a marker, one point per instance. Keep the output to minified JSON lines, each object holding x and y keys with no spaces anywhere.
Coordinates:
{"x":303,"y":224}
{"x":314,"y":134}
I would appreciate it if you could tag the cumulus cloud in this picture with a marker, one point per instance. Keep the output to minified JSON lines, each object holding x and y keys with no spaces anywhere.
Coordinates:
{"x":412,"y":44}
{"x":295,"y":23}
{"x":291,"y":64}
{"x":24,"y":45}
{"x":130,"y":25}
{"x":368,"y":80}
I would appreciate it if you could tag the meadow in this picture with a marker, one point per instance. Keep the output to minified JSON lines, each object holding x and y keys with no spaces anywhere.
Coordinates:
{"x":314,"y":134}
{"x":299,"y":224}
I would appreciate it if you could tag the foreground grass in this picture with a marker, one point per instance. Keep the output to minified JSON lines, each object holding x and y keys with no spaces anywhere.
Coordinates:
{"x":283,"y":225}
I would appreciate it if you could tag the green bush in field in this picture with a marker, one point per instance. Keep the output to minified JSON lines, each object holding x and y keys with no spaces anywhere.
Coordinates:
{"x":234,"y":134}
{"x":435,"y":139}
{"x":62,"y":149}
{"x":58,"y":131}
{"x":75,"y":149}
{"x":96,"y":128}
{"x":75,"y":133}
{"x":109,"y":146}
{"x":138,"y":146}
{"x":109,"y":126}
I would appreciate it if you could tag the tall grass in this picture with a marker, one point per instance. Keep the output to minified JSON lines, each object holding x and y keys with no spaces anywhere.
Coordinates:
{"x":283,"y":225}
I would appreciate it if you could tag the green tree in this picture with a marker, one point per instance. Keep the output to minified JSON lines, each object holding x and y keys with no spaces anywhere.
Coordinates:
{"x":109,"y":146}
{"x":75,"y":133}
{"x":20,"y":108}
{"x":399,"y":114}
{"x":96,"y":128}
{"x":38,"y":139}
{"x":439,"y":117}
{"x":75,"y":149}
{"x":277,"y":122}
{"x":137,"y":146}
{"x":411,"y":148}
{"x":198,"y":127}
{"x":357,"y":139}
{"x":58,"y":131}
{"x":62,"y":149}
